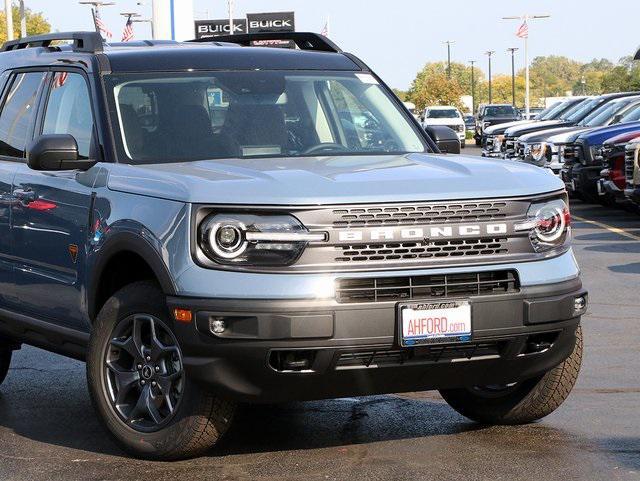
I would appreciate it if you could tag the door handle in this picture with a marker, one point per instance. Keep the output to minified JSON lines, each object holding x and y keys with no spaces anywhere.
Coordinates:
{"x":25,"y":195}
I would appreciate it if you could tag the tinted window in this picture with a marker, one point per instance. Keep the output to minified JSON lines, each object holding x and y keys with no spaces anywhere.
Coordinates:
{"x":69,"y":110}
{"x":500,"y":110}
{"x":18,"y":112}
{"x":442,"y":114}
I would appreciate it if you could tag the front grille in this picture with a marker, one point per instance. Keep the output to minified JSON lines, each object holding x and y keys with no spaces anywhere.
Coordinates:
{"x":520,"y":150}
{"x":572,"y":152}
{"x":415,"y":250}
{"x":426,"y":354}
{"x":407,"y":214}
{"x":388,"y":289}
{"x":510,"y":146}
{"x":629,"y":160}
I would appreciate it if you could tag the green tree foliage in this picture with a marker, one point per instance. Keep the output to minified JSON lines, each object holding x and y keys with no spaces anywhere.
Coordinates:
{"x":551,"y":76}
{"x":36,"y":23}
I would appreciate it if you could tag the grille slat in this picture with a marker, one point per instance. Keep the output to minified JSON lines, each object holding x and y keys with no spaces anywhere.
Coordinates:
{"x":386,"y":289}
{"x":629,"y":160}
{"x":419,"y":354}
{"x":419,"y":214}
{"x":417,"y":250}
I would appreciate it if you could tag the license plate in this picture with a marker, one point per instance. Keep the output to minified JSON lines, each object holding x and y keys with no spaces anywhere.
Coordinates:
{"x":434,"y":323}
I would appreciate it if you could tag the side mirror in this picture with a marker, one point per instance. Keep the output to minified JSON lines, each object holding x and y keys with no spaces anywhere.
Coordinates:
{"x":617,"y":118}
{"x":56,"y":152}
{"x":445,"y":138}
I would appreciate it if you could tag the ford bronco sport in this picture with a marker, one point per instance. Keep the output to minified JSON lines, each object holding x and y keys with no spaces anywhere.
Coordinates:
{"x":206,"y":223}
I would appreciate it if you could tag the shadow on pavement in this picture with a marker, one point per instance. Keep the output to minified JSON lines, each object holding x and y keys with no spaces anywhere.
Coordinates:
{"x":632,"y":268}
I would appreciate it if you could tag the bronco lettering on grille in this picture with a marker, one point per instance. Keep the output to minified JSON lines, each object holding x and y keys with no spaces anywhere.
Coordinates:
{"x":418,"y":233}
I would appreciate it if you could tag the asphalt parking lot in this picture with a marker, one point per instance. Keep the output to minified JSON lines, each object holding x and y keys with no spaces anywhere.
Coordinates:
{"x":48,"y":429}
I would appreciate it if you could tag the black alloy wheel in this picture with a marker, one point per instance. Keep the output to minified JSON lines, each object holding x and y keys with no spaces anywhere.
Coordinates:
{"x":144,"y":373}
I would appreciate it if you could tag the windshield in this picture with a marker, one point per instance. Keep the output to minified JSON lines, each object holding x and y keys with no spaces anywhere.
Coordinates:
{"x":603,"y":114}
{"x":581,"y":110}
{"x":632,"y":115}
{"x":243,"y":114}
{"x":551,"y":111}
{"x":501,"y":111}
{"x":442,"y":114}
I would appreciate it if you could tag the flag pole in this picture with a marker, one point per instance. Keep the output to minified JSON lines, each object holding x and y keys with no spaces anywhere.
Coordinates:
{"x":526,"y":74}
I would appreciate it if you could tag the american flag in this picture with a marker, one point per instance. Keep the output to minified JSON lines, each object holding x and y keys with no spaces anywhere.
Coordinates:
{"x":127,"y":33}
{"x":100,"y":25}
{"x":59,"y":79}
{"x":325,"y":29}
{"x":523,"y":30}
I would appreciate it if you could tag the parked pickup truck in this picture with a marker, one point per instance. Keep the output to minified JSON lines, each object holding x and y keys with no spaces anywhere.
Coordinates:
{"x":570,"y":119}
{"x":494,"y":114}
{"x":632,"y":172}
{"x":493,"y":137}
{"x":206,"y":224}
{"x":612,"y":182}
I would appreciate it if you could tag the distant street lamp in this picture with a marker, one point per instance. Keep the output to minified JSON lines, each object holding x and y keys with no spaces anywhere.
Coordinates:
{"x":473,"y":88}
{"x":513,"y":50}
{"x":449,"y":42}
{"x":489,"y":53}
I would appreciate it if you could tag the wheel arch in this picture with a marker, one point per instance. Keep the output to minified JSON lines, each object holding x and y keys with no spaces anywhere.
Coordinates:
{"x":124,"y":258}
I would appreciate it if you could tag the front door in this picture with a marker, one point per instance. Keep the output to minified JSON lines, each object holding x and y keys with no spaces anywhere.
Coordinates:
{"x":50,"y":215}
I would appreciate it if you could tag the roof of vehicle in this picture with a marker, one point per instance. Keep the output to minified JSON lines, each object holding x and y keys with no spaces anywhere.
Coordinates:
{"x":314,"y":53}
{"x":441,"y":107}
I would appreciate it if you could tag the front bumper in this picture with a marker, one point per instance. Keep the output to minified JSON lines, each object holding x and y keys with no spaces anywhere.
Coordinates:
{"x":633,"y":194}
{"x":353,"y":349}
{"x":607,"y":187}
{"x":585,"y":179}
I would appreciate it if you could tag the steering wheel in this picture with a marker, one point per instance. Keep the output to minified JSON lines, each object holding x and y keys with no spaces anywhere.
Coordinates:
{"x":325,"y":147}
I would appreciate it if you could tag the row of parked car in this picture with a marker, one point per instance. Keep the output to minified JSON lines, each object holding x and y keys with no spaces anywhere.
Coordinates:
{"x":592,"y":143}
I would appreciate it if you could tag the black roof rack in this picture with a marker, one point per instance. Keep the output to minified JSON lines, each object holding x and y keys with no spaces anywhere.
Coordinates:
{"x":304,"y":40}
{"x":82,"y":41}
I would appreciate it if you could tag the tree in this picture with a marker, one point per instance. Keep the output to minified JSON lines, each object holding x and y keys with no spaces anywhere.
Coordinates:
{"x":401,"y":94}
{"x":616,"y":80}
{"x":501,"y":90}
{"x":436,"y":89}
{"x":36,"y":23}
{"x":553,"y":75}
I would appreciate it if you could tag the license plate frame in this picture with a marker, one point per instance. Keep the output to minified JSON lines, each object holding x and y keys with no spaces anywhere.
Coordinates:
{"x":435,"y":306}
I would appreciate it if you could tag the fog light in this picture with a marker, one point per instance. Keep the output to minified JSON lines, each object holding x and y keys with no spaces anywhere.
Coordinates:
{"x":579,"y":304}
{"x":217,"y":325}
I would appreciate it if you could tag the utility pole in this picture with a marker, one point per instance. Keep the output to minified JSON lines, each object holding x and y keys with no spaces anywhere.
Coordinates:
{"x":489,"y":53}
{"x":8,"y":10}
{"x":23,"y":20}
{"x":149,"y":21}
{"x":523,"y":32}
{"x":473,"y":88}
{"x":513,"y":50}
{"x":449,"y":42}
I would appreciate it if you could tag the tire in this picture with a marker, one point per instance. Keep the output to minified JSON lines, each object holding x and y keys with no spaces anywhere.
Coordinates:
{"x":523,"y":403}
{"x":478,"y":142}
{"x":5,"y":362}
{"x":176,"y":419}
{"x":463,"y":144}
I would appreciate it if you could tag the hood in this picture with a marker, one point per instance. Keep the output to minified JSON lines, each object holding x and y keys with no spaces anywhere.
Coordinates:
{"x":626,"y":137}
{"x":454,"y":121}
{"x":598,"y":135}
{"x":332,"y":180}
{"x":500,"y":128}
{"x":561,"y":135}
{"x":519,"y":130}
{"x":498,"y":120}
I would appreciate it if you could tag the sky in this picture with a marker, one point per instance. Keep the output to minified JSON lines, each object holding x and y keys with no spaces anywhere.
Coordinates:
{"x":396,"y":38}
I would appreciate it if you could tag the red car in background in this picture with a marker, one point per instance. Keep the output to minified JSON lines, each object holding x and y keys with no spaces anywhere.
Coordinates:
{"x":612,"y":183}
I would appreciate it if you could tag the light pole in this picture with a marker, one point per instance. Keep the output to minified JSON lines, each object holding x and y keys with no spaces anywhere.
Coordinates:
{"x":449,"y":42}
{"x":96,"y":4}
{"x":8,"y":10}
{"x":523,"y":32}
{"x":489,"y":53}
{"x":149,"y":21}
{"x":513,"y":50}
{"x":473,"y":88}
{"x":230,"y":7}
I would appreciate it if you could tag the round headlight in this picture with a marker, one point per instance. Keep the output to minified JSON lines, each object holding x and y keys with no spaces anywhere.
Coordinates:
{"x":226,"y":239}
{"x":551,"y":222}
{"x":538,"y":151}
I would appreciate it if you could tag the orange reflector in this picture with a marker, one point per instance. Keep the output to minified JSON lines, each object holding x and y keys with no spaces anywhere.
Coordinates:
{"x":182,"y":315}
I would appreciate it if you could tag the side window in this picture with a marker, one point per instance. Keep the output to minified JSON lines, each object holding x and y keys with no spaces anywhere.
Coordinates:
{"x":18,"y":112}
{"x":69,"y":110}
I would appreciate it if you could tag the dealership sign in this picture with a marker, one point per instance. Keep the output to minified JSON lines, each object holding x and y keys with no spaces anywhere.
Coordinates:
{"x":254,"y":23}
{"x":213,"y":28}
